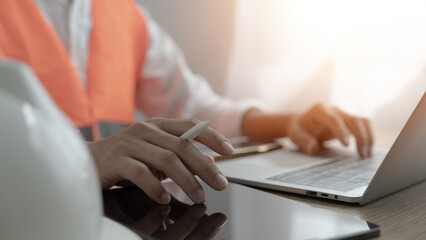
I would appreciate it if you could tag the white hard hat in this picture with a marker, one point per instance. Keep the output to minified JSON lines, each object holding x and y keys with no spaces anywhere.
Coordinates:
{"x":49,"y":185}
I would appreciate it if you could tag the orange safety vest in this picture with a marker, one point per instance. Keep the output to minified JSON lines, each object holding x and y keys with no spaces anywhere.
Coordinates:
{"x":117,"y":46}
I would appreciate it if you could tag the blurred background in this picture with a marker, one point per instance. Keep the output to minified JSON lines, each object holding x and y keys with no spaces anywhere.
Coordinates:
{"x":367,"y":57}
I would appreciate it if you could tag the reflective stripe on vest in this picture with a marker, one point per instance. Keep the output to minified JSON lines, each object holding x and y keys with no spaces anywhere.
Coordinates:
{"x":106,"y":129}
{"x":117,"y":46}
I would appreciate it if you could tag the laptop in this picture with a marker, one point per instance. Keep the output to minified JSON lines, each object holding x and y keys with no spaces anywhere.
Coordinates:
{"x":339,"y":174}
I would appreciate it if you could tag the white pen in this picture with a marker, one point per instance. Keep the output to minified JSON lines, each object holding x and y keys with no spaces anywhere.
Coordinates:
{"x":195,"y":130}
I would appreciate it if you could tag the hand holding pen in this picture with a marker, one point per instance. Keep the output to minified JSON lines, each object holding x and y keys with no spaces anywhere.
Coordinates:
{"x":144,"y":152}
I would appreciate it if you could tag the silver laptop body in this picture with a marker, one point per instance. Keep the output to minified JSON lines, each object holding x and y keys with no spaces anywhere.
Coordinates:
{"x":340,"y":174}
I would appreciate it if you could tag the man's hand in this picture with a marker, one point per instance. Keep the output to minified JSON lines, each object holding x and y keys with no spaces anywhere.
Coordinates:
{"x":321,"y":123}
{"x":310,"y":129}
{"x":145,"y":153}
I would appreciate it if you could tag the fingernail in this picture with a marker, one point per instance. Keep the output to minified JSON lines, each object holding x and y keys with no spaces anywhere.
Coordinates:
{"x":165,"y":198}
{"x":200,"y":195}
{"x":221,"y":181}
{"x":227,"y":147}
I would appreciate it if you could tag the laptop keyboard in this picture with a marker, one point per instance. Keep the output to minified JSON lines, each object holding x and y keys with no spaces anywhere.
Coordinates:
{"x":340,"y":175}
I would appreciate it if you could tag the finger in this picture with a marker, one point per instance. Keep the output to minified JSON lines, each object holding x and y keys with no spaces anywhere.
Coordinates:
{"x":370,"y":134}
{"x":184,"y":225}
{"x":139,"y":174}
{"x":168,"y":162}
{"x":210,"y":137}
{"x":333,"y":122}
{"x":200,"y":165}
{"x":359,"y":130}
{"x":216,"y":141}
{"x":152,"y":221}
{"x":304,"y":140}
{"x":208,"y":227}
{"x":158,"y":174}
{"x":195,"y":161}
{"x":210,"y":157}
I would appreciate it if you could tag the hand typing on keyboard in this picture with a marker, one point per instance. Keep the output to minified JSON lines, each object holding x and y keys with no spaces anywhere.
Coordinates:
{"x":321,"y":123}
{"x":310,"y":129}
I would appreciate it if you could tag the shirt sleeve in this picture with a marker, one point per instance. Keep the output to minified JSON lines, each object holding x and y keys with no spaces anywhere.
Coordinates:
{"x":169,"y":89}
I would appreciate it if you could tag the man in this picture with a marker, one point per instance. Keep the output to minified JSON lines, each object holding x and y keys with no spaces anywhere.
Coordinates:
{"x":102,"y":59}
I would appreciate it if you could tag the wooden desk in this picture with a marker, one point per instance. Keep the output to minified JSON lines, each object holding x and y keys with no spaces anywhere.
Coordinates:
{"x":401,"y":215}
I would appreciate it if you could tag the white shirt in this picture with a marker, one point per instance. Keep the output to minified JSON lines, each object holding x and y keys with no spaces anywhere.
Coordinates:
{"x":168,"y":87}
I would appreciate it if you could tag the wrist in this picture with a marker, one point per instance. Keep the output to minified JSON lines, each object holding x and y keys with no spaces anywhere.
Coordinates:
{"x":261,"y":125}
